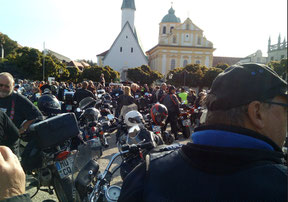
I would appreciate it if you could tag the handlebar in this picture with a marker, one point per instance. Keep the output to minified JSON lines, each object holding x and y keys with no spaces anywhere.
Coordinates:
{"x":133,"y":147}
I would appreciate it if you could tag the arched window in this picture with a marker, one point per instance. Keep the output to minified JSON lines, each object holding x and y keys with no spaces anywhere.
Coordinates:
{"x":121,"y":49}
{"x":198,"y":62}
{"x":164,"y":30}
{"x":171,"y":28}
{"x":173,"y":64}
{"x":174,"y":39}
{"x":199,"y":40}
{"x":132,"y":50}
{"x":187,"y":26}
{"x":185,"y":63}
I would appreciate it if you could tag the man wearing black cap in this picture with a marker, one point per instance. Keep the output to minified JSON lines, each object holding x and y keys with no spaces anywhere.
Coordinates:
{"x":236,"y":156}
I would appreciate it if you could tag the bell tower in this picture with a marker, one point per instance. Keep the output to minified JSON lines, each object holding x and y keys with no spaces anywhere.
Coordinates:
{"x":128,"y":13}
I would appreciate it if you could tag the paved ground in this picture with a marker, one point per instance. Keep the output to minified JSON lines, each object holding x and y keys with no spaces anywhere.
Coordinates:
{"x":107,"y":154}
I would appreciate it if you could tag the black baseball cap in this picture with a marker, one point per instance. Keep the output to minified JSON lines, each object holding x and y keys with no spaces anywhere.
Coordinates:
{"x":241,"y":84}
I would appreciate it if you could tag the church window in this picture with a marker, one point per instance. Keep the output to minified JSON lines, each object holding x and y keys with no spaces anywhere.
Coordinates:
{"x":126,"y":37}
{"x":198,"y":62}
{"x":174,"y":39}
{"x":185,"y":63}
{"x":121,"y":49}
{"x":132,"y":50}
{"x":187,"y":26}
{"x":173,"y":64}
{"x":199,"y":40}
{"x":171,"y":29}
{"x":164,"y":30}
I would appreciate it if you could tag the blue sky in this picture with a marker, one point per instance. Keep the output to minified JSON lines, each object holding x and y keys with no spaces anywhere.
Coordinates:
{"x":83,"y":29}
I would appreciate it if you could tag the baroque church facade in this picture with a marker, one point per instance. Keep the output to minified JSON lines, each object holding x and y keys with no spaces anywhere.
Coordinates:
{"x":126,"y":51}
{"x":179,"y":44}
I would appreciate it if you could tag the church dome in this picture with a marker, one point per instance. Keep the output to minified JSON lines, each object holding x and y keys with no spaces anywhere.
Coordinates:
{"x":171,"y":17}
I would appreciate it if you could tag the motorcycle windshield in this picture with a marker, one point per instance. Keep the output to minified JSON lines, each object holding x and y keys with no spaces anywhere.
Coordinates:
{"x":85,"y":166}
{"x":86,"y":102}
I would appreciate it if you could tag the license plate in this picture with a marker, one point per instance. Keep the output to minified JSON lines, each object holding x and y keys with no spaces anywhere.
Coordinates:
{"x":186,"y":122}
{"x":156,"y":129}
{"x":65,"y":167}
{"x":69,"y":107}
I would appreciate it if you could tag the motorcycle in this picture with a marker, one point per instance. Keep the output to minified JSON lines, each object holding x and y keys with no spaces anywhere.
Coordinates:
{"x":90,"y":183}
{"x":185,"y":121}
{"x":48,"y":155}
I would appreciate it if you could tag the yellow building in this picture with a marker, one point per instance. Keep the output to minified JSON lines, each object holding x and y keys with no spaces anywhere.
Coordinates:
{"x":179,"y":44}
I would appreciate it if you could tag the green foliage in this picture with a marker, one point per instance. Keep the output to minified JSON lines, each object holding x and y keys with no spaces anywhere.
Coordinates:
{"x":210,"y":75}
{"x":280,"y":67}
{"x":193,"y":75}
{"x":8,"y":44}
{"x":94,"y":73}
{"x":222,"y":66}
{"x":143,"y":75}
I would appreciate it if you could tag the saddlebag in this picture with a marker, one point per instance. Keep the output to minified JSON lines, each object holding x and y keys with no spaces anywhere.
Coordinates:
{"x":55,"y":130}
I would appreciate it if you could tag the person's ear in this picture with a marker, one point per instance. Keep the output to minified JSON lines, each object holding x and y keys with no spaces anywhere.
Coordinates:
{"x":256,"y":114}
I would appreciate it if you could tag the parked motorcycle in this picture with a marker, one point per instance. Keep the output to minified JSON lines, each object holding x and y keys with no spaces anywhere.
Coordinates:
{"x":48,"y":155}
{"x":90,"y":183}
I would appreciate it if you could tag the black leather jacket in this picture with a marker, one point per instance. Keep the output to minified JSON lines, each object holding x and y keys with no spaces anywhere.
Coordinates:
{"x":209,"y":173}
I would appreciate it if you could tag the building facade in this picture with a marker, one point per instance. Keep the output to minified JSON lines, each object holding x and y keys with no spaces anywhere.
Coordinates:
{"x":277,"y":51}
{"x":256,"y":57}
{"x":126,"y":51}
{"x":179,"y":44}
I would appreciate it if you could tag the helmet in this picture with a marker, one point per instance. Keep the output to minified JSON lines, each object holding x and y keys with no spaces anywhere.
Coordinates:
{"x":159,"y":113}
{"x":133,"y":118}
{"x":48,"y":105}
{"x":91,"y":114}
{"x":107,"y":96}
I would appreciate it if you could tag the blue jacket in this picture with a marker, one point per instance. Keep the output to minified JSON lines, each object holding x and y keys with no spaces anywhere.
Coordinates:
{"x":223,"y":164}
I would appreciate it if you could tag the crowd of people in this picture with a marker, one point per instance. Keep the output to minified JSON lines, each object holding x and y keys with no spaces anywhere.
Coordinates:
{"x":236,"y":155}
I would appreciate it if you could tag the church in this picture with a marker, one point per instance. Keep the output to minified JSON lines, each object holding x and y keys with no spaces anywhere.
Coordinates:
{"x":126,"y":51}
{"x":179,"y":44}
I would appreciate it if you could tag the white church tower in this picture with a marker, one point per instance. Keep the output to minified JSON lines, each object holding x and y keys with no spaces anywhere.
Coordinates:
{"x":128,"y":13}
{"x":126,"y":51}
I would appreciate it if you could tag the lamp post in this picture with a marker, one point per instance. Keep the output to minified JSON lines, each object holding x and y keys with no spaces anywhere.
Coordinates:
{"x":44,"y":55}
{"x":2,"y":42}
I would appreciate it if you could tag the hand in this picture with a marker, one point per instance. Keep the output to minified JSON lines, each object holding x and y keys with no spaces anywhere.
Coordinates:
{"x":12,"y":180}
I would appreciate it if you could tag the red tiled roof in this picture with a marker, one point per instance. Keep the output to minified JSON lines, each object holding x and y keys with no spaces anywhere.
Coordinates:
{"x":225,"y":60}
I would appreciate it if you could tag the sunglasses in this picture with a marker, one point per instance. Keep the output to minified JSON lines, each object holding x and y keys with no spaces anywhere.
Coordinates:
{"x":277,"y":103}
{"x":4,"y":85}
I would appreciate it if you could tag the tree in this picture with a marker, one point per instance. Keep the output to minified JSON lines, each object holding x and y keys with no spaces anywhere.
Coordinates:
{"x":143,"y":75}
{"x":8,"y":44}
{"x":210,"y":75}
{"x":280,"y":67}
{"x":94,"y":73}
{"x":222,"y":66}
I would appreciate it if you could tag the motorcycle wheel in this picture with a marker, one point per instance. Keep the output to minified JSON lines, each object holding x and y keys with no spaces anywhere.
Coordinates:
{"x":63,"y":189}
{"x":186,"y":132}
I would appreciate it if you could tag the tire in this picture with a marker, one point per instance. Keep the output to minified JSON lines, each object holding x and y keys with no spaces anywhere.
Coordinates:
{"x":186,"y":132}
{"x":63,"y":189}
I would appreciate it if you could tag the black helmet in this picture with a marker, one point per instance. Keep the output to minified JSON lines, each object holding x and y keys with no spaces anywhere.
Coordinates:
{"x":107,"y":96}
{"x":91,"y":115}
{"x":159,"y":113}
{"x":48,"y":105}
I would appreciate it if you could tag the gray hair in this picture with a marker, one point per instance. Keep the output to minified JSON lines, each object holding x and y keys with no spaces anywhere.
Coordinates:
{"x":234,"y":116}
{"x":8,"y":75}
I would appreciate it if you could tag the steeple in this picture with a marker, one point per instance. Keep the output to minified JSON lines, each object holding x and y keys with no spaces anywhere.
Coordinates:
{"x":128,"y":12}
{"x":269,"y":43}
{"x":279,"y":41}
{"x":128,"y":4}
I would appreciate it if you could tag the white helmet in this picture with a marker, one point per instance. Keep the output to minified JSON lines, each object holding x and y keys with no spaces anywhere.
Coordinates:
{"x":133,"y":118}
